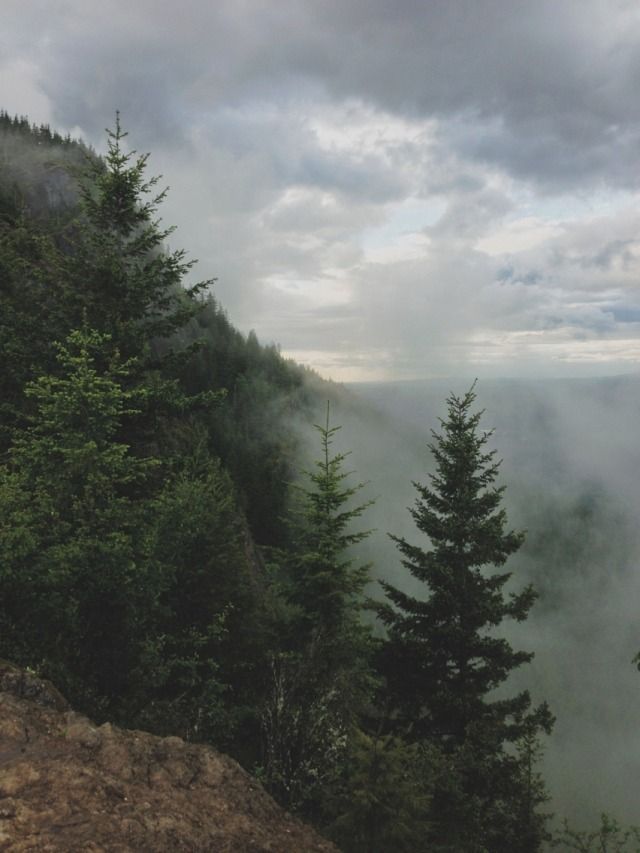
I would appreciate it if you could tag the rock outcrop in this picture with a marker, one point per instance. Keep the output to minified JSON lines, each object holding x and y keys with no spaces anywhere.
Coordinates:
{"x":68,"y":785}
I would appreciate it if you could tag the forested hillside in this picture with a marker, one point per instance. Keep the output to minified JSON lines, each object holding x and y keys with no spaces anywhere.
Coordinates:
{"x":166,"y":563}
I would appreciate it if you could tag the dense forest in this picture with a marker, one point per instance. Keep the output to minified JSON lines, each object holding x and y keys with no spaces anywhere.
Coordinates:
{"x":172,"y":561}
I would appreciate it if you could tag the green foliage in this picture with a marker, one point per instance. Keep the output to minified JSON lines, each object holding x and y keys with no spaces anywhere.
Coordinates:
{"x":252,"y":428}
{"x":30,"y":317}
{"x":125,"y":573}
{"x":325,"y":583}
{"x":443,"y":659}
{"x":610,"y":837}
{"x":126,"y":596}
{"x":77,"y":586}
{"x":211,"y":625}
{"x":122,"y":282}
{"x":320,"y":679}
{"x":146,"y":446}
{"x":385,"y":795}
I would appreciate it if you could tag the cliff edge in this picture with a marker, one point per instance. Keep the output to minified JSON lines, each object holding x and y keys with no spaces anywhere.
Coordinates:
{"x":68,"y":785}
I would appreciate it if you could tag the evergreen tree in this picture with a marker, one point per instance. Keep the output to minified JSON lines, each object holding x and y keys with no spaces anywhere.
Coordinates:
{"x":208,"y":666}
{"x":123,"y":281}
{"x":325,"y":582}
{"x":321,"y":675}
{"x":121,"y":586}
{"x":444,"y":659}
{"x":77,"y":588}
{"x":385,"y":795}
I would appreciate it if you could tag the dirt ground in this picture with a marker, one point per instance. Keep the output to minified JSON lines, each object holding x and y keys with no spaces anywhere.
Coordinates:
{"x":67,"y":785}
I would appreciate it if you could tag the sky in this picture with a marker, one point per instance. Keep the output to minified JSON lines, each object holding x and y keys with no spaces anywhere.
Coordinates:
{"x":387,"y":190}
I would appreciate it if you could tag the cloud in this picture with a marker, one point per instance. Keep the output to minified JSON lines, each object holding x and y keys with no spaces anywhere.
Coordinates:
{"x":366,"y":177}
{"x":545,"y":91}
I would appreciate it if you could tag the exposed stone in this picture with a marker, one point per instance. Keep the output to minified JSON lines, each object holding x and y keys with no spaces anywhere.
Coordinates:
{"x":67,"y":785}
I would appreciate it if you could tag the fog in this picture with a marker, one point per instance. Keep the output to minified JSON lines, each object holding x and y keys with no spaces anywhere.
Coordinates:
{"x":571,"y":459}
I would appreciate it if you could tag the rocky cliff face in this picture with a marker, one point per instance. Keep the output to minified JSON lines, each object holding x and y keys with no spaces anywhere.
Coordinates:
{"x":67,"y":785}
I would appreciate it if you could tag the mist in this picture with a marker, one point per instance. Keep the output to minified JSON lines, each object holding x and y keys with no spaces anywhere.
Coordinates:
{"x":570,"y":461}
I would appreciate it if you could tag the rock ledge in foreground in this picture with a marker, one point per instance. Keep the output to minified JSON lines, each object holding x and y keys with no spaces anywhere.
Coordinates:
{"x":67,"y":785}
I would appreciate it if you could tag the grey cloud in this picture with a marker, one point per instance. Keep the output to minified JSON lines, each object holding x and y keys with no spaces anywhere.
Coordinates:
{"x":471,"y":214}
{"x":495,"y":100}
{"x":546,"y":91}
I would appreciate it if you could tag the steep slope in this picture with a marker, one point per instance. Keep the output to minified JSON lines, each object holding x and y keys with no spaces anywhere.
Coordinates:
{"x":67,"y":785}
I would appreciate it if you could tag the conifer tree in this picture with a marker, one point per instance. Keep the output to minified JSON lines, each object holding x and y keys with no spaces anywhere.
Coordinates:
{"x":321,"y":674}
{"x":123,"y":280}
{"x":77,"y":588}
{"x":444,"y":657}
{"x":325,"y":582}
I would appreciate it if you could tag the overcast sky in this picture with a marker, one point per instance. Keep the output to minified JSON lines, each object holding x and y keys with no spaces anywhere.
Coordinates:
{"x":386,"y":189}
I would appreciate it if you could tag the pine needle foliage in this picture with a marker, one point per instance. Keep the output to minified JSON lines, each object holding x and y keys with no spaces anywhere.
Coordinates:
{"x":325,"y":581}
{"x":123,"y":280}
{"x":444,"y":661}
{"x":320,"y":676}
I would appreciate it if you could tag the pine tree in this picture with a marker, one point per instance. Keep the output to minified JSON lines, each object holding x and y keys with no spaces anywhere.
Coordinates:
{"x":386,"y":793}
{"x":321,"y":675}
{"x":123,"y":280}
{"x":107,"y":267}
{"x":444,"y":658}
{"x":325,"y":582}
{"x":77,"y":589}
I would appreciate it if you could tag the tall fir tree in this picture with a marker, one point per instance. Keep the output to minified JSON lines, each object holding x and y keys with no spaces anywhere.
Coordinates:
{"x":123,"y":280}
{"x":321,"y":675}
{"x":325,"y":580}
{"x":444,"y":658}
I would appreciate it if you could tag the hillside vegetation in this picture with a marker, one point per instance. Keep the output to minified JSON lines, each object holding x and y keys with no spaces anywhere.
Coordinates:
{"x":166,"y":563}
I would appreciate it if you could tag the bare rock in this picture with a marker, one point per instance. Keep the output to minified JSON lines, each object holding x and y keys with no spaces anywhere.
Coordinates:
{"x":68,"y":785}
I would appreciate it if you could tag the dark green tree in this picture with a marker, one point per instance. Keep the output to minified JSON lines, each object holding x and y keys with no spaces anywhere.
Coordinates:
{"x":385,"y":798}
{"x":136,"y":597}
{"x":321,"y":674}
{"x":209,"y":664}
{"x":77,"y":590}
{"x":444,"y":659}
{"x":325,"y":581}
{"x":122,"y":279}
{"x":107,"y":267}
